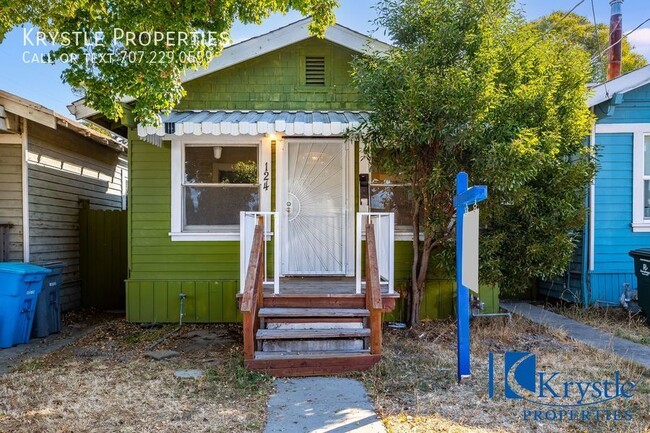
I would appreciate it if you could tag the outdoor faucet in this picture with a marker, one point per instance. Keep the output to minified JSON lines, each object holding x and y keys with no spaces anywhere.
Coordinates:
{"x":180,"y":315}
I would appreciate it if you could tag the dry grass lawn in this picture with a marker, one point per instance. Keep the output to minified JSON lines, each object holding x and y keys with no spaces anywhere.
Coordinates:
{"x":103,"y":383}
{"x":414,"y":388}
{"x":614,"y":320}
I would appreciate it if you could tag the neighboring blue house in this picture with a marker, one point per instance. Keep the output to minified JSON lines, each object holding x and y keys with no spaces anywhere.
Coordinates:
{"x":619,"y":198}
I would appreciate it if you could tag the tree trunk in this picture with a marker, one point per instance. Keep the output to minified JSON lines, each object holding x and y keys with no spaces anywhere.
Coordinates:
{"x":420,"y":281}
{"x":414,"y":295}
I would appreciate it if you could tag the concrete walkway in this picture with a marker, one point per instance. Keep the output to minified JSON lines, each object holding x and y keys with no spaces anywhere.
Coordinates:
{"x":321,"y":404}
{"x":637,"y":353}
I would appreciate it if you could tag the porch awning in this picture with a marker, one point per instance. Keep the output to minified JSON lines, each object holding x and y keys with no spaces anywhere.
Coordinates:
{"x":221,"y":122}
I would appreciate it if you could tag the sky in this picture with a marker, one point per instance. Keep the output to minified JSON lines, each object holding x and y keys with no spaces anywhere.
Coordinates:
{"x":42,"y":83}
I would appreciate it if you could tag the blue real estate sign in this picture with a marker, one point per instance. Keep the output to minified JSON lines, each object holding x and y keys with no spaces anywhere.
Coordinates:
{"x":466,"y":261}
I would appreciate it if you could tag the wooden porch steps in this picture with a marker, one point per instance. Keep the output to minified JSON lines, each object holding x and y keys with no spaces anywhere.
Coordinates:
{"x":308,"y":341}
{"x":303,"y":334}
{"x":310,"y":355}
{"x":313,"y":312}
{"x":311,"y":335}
{"x":313,"y":366}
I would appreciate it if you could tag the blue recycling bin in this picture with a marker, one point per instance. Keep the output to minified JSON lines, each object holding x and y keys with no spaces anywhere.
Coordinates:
{"x":20,"y":285}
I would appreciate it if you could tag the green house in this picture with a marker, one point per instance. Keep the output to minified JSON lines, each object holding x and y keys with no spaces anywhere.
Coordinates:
{"x":260,"y":138}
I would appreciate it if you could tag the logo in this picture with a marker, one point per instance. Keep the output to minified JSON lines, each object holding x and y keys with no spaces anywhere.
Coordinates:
{"x":644,"y":270}
{"x":522,"y":365}
{"x":554,"y":397}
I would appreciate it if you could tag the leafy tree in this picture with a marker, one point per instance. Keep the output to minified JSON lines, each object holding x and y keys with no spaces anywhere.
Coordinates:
{"x":245,"y":172}
{"x":121,"y":65}
{"x":469,"y":86}
{"x":576,"y":29}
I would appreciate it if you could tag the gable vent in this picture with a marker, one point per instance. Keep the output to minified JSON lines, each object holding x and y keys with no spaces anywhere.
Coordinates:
{"x":315,"y":71}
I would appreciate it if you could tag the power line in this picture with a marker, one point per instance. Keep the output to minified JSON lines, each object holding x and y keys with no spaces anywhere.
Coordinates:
{"x":622,"y":37}
{"x":597,"y":36}
{"x":496,"y":31}
{"x":549,"y":30}
{"x":593,"y":12}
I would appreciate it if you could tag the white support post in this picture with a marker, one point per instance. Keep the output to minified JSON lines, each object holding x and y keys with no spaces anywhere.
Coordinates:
{"x":391,"y":254}
{"x":243,"y":262}
{"x":385,"y":236}
{"x":357,"y":272}
{"x":276,"y":253}
{"x":248,"y":221}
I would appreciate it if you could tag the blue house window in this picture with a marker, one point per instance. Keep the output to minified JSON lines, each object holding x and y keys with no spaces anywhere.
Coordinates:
{"x":646,"y":177}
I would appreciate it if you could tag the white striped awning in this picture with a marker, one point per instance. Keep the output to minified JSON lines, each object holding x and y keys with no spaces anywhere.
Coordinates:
{"x":221,"y":122}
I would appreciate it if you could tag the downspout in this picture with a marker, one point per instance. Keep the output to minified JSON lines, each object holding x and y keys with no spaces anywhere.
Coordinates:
{"x":589,"y":232}
{"x":25,"y":190}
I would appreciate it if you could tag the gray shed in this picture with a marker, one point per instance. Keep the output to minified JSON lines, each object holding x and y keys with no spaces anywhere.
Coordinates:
{"x":49,"y":164}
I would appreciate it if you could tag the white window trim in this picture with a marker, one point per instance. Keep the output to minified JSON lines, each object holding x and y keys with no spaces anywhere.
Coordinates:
{"x":176,"y":233}
{"x":638,"y":131}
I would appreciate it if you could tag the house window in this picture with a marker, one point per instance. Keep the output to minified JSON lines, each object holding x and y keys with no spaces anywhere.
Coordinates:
{"x":646,"y":178}
{"x":640,"y":176}
{"x":389,"y":194}
{"x":219,"y":182}
{"x":212,"y":184}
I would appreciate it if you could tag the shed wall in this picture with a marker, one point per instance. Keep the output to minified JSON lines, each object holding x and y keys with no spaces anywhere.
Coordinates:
{"x":63,"y":169}
{"x":11,"y":208}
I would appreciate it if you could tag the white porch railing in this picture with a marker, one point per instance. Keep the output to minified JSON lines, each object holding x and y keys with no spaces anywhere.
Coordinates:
{"x":247,"y":223}
{"x":384,"y":223}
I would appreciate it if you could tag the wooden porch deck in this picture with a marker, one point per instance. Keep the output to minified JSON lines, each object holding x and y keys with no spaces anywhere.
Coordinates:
{"x":319,"y":285}
{"x":314,"y":325}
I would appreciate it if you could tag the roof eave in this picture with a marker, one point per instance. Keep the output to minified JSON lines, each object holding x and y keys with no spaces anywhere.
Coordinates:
{"x":44,"y":116}
{"x":623,"y":84}
{"x":259,"y":45}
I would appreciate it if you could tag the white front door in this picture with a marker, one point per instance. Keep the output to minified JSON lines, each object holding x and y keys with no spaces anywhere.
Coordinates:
{"x":313,"y":206}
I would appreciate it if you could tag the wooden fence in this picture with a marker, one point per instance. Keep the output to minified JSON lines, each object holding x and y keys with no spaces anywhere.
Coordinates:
{"x":103,"y":262}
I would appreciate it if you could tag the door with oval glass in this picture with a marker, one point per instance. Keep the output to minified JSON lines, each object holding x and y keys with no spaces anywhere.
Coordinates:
{"x":314,"y":207}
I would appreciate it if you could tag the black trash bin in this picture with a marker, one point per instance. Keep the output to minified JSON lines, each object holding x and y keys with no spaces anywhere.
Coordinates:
{"x":47,"y":318}
{"x":642,"y":271}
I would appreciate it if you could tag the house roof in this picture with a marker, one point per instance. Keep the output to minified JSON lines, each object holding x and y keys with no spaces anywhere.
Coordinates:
{"x":221,"y":122}
{"x":10,"y":103}
{"x":625,"y":83}
{"x":260,"y":45}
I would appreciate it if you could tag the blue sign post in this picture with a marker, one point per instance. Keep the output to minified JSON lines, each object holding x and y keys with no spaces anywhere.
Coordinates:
{"x":464,"y":198}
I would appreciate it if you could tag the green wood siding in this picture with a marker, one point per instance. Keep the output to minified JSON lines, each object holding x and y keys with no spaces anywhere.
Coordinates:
{"x":153,"y":256}
{"x":208,"y":272}
{"x":275,"y":81}
{"x":159,"y":301}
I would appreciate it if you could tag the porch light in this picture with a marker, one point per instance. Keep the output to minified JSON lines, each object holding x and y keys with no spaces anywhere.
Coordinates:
{"x":217,"y":152}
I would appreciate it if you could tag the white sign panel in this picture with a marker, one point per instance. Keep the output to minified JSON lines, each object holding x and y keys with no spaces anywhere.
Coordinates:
{"x":470,"y":250}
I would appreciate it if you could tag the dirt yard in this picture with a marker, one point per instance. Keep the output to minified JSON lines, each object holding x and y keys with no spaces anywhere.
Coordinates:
{"x":415,"y":390}
{"x":614,"y":320}
{"x":105,"y":383}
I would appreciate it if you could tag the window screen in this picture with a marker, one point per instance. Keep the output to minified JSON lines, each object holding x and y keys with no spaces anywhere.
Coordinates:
{"x":218,"y":183}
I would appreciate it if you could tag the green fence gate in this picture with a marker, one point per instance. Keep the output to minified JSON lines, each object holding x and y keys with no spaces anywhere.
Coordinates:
{"x":103,"y":262}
